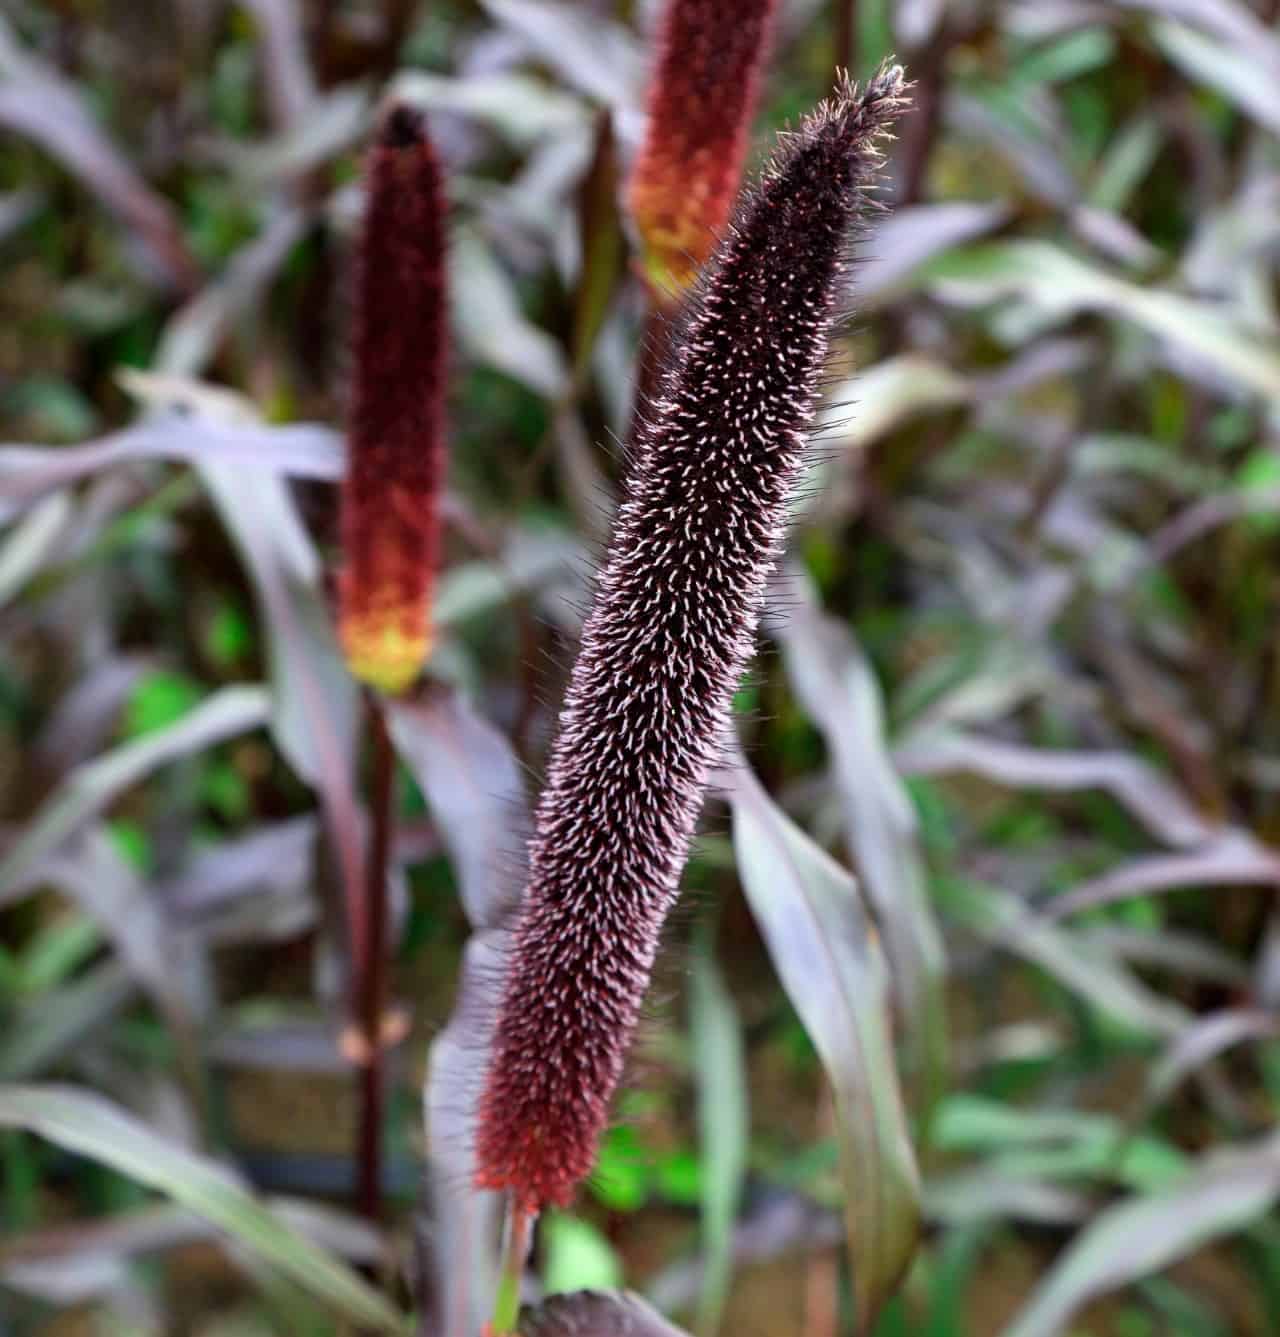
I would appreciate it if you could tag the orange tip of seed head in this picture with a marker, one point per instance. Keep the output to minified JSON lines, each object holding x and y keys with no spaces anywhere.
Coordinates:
{"x":383,"y":654}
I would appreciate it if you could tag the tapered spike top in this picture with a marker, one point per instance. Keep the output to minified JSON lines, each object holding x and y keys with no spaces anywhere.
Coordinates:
{"x":665,"y":644}
{"x":395,"y":467}
{"x":702,"y":98}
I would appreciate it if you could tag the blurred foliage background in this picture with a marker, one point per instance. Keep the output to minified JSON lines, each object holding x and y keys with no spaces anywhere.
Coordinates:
{"x":1024,"y":680}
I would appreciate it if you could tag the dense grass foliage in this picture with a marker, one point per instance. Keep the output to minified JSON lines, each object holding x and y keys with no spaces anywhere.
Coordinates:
{"x":966,"y":1023}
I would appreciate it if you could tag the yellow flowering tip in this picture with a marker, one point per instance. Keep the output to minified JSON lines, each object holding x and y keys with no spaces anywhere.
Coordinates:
{"x":382,"y":654}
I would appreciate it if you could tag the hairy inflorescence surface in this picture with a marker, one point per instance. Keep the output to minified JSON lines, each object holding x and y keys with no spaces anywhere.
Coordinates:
{"x":664,"y":646}
{"x":702,"y":98}
{"x":390,"y":498}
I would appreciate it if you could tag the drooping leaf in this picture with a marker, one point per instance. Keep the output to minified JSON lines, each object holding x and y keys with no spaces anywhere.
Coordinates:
{"x":91,"y":1126}
{"x":332,"y":125}
{"x":1236,"y":73}
{"x":1203,"y":1041}
{"x":1234,"y":857}
{"x":1069,"y":958}
{"x":1227,"y":20}
{"x":1060,"y":285}
{"x":882,"y":396}
{"x":74,"y":1261}
{"x":94,"y":784}
{"x":196,"y":330}
{"x":1149,"y":796}
{"x":472,"y":783}
{"x":906,"y":238}
{"x":597,"y":57}
{"x":28,"y":547}
{"x":166,"y":963}
{"x":827,"y":956}
{"x":521,"y":108}
{"x":836,"y":686}
{"x":40,"y":1032}
{"x":301,"y":450}
{"x":274,"y":856}
{"x":1141,"y":1235}
{"x":313,"y":699}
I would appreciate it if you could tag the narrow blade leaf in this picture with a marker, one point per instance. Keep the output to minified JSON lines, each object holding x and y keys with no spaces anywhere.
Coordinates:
{"x":827,"y":955}
{"x":1144,"y":1234}
{"x":837,"y":688}
{"x":87,"y":1124}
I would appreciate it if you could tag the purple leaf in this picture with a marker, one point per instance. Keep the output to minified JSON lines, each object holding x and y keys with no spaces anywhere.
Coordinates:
{"x":473,"y":786}
{"x":1234,"y":858}
{"x":39,"y":103}
{"x":301,"y":450}
{"x":836,"y":687}
{"x":595,"y":1314}
{"x":1148,"y":795}
{"x":826,"y":952}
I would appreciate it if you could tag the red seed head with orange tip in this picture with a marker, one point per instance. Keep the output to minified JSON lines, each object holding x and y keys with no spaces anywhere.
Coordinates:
{"x":391,"y":495}
{"x":711,"y":54}
{"x":670,"y":632}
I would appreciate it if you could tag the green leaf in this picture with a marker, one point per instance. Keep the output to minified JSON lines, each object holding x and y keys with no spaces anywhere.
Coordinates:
{"x":603,"y":246}
{"x":88,"y":1125}
{"x":827,"y":955}
{"x":720,"y":1071}
{"x":1260,"y":473}
{"x":576,"y":1256}
{"x":621,"y":1178}
{"x":159,"y":700}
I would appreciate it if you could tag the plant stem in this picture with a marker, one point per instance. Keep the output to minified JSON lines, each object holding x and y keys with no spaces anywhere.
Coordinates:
{"x":846,"y":34}
{"x":371,"y":971}
{"x":654,"y":338}
{"x":506,"y":1307}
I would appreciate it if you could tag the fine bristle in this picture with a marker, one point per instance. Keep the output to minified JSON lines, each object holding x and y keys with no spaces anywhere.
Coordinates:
{"x":664,"y":647}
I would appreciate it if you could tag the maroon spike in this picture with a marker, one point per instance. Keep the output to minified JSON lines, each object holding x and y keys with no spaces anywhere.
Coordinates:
{"x":668,"y":637}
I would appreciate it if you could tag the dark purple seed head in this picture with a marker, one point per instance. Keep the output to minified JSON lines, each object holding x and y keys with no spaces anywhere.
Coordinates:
{"x":670,"y":632}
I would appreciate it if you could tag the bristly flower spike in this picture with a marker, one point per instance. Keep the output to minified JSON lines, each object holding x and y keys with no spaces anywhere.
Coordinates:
{"x":665,"y":644}
{"x":702,"y":98}
{"x":395,"y":467}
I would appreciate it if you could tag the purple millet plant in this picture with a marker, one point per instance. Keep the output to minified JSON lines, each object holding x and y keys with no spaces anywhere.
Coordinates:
{"x":665,"y":645}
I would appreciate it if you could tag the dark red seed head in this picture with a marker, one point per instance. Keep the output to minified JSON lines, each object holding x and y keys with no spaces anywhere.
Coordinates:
{"x":670,"y":632}
{"x":711,"y":54}
{"x":395,"y":467}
